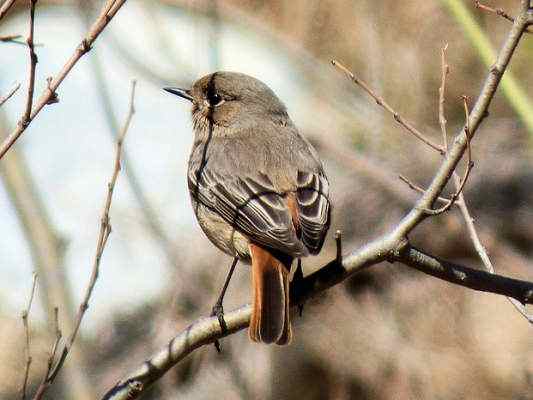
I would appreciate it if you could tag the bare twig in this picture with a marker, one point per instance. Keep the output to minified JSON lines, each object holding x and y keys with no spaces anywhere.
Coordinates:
{"x":498,"y":11}
{"x":442,"y":119}
{"x":12,"y":39}
{"x":469,"y":166}
{"x":417,"y":188}
{"x":107,"y":14}
{"x":397,"y":117}
{"x":5,"y":98}
{"x":5,"y":7}
{"x":25,"y":120}
{"x":461,"y":202}
{"x":105,"y":231}
{"x":26,"y":323}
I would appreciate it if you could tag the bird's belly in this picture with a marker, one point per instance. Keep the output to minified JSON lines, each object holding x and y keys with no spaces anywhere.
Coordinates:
{"x":221,"y":233}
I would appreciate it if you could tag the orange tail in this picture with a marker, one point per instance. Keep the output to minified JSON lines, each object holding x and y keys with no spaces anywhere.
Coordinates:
{"x":270,"y":315}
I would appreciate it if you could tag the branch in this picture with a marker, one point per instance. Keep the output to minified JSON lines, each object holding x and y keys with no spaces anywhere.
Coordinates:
{"x":25,"y":315}
{"x":48,"y":95}
{"x":456,"y":151}
{"x":445,"y":70}
{"x":9,"y":94}
{"x":207,"y":330}
{"x":5,"y":8}
{"x":105,"y":231}
{"x":498,"y":11}
{"x":397,"y":117}
{"x":25,"y":120}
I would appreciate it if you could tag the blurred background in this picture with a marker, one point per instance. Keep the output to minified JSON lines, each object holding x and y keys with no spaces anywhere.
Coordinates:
{"x":388,"y":332}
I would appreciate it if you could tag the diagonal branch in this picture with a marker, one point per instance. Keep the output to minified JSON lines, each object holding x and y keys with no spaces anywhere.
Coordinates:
{"x":9,"y":94}
{"x":5,"y":7}
{"x":48,"y":95}
{"x":498,"y":11}
{"x":379,"y":100}
{"x":207,"y":330}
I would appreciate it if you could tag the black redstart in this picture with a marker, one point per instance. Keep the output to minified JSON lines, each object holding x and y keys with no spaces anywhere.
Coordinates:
{"x":258,"y":189}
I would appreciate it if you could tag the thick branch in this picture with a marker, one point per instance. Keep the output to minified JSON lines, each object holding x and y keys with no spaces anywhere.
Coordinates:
{"x":49,"y":95}
{"x":471,"y":278}
{"x":207,"y":330}
{"x":479,"y":111}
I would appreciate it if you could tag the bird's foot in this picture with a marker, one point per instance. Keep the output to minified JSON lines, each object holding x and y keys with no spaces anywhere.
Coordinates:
{"x":218,"y":311}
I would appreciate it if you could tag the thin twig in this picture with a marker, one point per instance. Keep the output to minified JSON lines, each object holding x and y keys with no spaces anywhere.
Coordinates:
{"x":397,"y":117}
{"x":419,"y":189}
{"x":109,"y":11}
{"x":469,"y":166}
{"x":26,"y":323}
{"x":9,"y":94}
{"x":461,"y":202}
{"x":5,"y":8}
{"x":103,"y":236}
{"x":498,"y":11}
{"x":33,"y":62}
{"x":442,"y":119}
{"x":12,"y":39}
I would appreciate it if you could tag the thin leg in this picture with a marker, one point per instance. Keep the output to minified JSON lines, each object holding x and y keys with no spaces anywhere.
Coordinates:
{"x":218,"y":309}
{"x":299,"y":275}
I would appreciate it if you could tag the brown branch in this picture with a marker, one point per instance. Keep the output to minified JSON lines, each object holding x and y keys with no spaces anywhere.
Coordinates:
{"x":105,"y":231}
{"x":469,"y":166}
{"x":207,"y":330}
{"x":397,"y":117}
{"x":12,"y":39}
{"x":107,"y":14}
{"x":393,"y":246}
{"x":445,"y":70}
{"x":25,"y":315}
{"x":25,"y":120}
{"x":419,"y":189}
{"x":5,"y":98}
{"x":498,"y":11}
{"x":5,"y":7}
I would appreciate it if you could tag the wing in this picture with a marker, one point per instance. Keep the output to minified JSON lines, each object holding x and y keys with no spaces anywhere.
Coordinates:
{"x":312,"y":197}
{"x":252,"y":206}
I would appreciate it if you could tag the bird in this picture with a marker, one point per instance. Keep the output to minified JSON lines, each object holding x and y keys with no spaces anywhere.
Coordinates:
{"x":257,"y":187}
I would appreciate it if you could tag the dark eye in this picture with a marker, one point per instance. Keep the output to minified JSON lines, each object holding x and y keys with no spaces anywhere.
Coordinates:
{"x":215,"y":99}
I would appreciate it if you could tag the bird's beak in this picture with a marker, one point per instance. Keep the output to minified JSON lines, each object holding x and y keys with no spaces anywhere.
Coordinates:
{"x":185,"y":93}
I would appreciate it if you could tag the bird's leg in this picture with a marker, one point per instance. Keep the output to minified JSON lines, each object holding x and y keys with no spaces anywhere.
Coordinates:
{"x":298,"y":276}
{"x":218,"y":309}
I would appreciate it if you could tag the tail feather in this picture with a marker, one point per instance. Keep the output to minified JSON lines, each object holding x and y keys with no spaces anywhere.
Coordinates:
{"x":270,"y":316}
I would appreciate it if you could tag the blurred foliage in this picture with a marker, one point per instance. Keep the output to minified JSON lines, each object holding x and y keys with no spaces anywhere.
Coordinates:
{"x":388,"y":332}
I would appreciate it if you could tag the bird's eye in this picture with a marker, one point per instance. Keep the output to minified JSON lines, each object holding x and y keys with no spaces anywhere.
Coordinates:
{"x":215,"y":100}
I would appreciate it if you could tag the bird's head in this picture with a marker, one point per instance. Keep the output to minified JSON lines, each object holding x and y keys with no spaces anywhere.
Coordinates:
{"x":231,"y":99}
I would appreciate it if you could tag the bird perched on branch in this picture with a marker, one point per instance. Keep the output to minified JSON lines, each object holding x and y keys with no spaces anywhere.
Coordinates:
{"x":258,"y":189}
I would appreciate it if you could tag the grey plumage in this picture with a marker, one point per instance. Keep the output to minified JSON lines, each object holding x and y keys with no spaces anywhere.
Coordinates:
{"x":241,"y":168}
{"x":258,"y":189}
